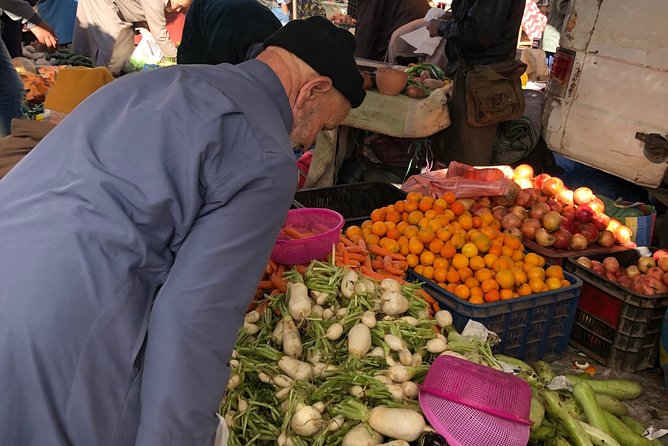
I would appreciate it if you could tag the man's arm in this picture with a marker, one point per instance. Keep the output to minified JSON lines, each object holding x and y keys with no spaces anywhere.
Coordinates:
{"x":480,"y":28}
{"x":154,"y":10}
{"x":20,"y":10}
{"x":196,"y":315}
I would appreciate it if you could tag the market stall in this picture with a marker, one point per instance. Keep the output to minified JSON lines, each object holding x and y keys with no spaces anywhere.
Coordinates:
{"x":348,"y":349}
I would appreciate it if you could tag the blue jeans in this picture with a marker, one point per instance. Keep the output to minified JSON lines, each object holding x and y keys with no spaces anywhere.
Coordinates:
{"x":11,"y":91}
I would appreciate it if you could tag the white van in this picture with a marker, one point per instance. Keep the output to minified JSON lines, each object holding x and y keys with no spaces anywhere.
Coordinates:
{"x":607,"y":96}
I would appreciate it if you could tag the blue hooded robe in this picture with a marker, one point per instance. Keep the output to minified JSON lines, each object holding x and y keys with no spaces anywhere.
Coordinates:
{"x":131,"y":241}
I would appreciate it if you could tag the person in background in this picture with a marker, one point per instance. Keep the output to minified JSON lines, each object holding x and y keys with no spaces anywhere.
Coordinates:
{"x":11,"y":87}
{"x":555,"y":23}
{"x":378,"y":19}
{"x":305,"y":8}
{"x":134,"y":234}
{"x":480,"y":32}
{"x":61,"y":14}
{"x":282,"y":12}
{"x":225,"y":31}
{"x":104,"y":29}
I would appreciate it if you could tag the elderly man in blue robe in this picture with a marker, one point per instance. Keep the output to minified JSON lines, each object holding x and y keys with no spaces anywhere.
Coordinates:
{"x":134,"y":234}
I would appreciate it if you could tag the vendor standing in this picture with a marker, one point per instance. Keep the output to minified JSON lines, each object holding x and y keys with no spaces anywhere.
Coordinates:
{"x":133,"y":237}
{"x":480,"y":32}
{"x":104,"y":29}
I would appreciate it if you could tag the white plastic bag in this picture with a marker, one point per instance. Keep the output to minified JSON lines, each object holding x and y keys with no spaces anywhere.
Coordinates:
{"x":147,"y":52}
{"x":222,"y":433}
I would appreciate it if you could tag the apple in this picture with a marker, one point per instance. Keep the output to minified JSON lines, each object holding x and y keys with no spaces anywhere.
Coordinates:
{"x":565,"y":197}
{"x":645,"y":263}
{"x":606,"y":239}
{"x":540,"y":180}
{"x":523,"y":171}
{"x":544,"y":238}
{"x":539,"y":210}
{"x":611,"y":265}
{"x":588,"y":230}
{"x":552,"y":186}
{"x":655,"y":272}
{"x":597,"y":206}
{"x":584,"y":215}
{"x":554,"y":205}
{"x":551,"y":221}
{"x":663,"y":263}
{"x":563,"y":239}
{"x":583,"y":195}
{"x":579,"y":242}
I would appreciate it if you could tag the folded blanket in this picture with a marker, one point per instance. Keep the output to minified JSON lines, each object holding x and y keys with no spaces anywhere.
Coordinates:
{"x":514,"y":140}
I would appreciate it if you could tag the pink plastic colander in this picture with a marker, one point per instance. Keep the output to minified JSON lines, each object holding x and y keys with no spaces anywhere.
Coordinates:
{"x":474,"y":405}
{"x":324,"y":223}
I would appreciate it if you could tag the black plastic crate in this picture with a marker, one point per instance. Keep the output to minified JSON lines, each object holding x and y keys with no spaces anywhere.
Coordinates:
{"x":530,"y":328}
{"x":614,"y":325}
{"x":354,"y":201}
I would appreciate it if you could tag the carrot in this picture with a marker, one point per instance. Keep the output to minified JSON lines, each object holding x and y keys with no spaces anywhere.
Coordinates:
{"x":387,"y":266}
{"x":358,"y":257}
{"x":371,"y":273}
{"x":401,"y":265}
{"x":262,"y":306}
{"x":265,"y":285}
{"x":367,"y":262}
{"x":346,"y":241}
{"x":301,"y":269}
{"x":362,"y":244}
{"x":269,"y":268}
{"x":377,"y":250}
{"x":281,"y":270}
{"x":279,"y":283}
{"x":293,"y":233}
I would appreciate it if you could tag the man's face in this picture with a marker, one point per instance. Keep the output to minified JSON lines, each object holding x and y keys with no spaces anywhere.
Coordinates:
{"x":177,"y":5}
{"x":325,"y":111}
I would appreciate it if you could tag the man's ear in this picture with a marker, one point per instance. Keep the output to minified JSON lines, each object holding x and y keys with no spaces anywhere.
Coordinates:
{"x":312,"y":88}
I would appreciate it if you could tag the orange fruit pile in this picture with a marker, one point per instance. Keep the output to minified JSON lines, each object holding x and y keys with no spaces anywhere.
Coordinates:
{"x":467,"y":255}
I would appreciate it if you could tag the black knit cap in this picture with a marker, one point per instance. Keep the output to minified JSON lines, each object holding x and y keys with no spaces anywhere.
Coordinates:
{"x":327,"y":49}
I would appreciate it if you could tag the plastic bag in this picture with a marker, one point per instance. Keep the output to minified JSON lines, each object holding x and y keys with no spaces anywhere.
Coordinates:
{"x":147,"y":52}
{"x":222,"y":433}
{"x":465,"y":181}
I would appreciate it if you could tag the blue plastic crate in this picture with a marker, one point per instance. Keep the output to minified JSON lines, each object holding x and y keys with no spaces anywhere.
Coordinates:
{"x":531,"y":328}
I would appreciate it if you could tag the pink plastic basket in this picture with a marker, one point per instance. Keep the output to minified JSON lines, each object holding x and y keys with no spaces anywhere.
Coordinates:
{"x":474,"y":405}
{"x":325,"y":223}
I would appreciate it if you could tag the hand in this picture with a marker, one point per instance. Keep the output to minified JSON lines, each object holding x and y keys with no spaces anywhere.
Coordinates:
{"x":45,"y":35}
{"x":433,"y":28}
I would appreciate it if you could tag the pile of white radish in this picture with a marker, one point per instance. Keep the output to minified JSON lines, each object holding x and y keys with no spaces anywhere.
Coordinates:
{"x":336,"y":360}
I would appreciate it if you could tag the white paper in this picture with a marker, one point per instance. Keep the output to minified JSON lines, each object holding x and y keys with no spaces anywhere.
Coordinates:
{"x":653,"y":433}
{"x":421,"y":41}
{"x":560,"y":383}
{"x":476,"y":330}
{"x":433,"y":14}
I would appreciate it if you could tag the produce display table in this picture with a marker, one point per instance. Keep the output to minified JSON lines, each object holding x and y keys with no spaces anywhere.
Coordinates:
{"x":398,"y":116}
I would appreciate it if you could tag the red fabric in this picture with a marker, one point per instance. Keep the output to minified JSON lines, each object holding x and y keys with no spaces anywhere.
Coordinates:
{"x":533,"y":21}
{"x":175,"y":22}
{"x":303,"y":165}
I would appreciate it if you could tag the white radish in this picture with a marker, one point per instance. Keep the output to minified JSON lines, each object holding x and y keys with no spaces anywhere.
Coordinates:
{"x":242,"y":404}
{"x":229,"y":418}
{"x":410,"y":389}
{"x":417,"y":360}
{"x":443,"y":318}
{"x":359,"y":340}
{"x":402,"y":424}
{"x":334,"y":332}
{"x":393,"y":303}
{"x":370,"y":286}
{"x":388,"y":318}
{"x":390,"y":285}
{"x":316,"y":311}
{"x":283,"y":394}
{"x":234,"y":363}
{"x":277,"y":335}
{"x":299,"y":304}
{"x":285,"y":440}
{"x":320,"y":406}
{"x":341,"y":312}
{"x":389,"y":360}
{"x":296,"y":369}
{"x":319,"y":297}
{"x":252,"y":317}
{"x":436,"y":346}
{"x":234,"y":381}
{"x":264,"y":377}
{"x":357,"y":391}
{"x":336,"y":423}
{"x":400,"y":374}
{"x":410,"y":320}
{"x":397,"y":392}
{"x":423,"y":314}
{"x":384,"y":379}
{"x":292,"y":343}
{"x":306,"y":421}
{"x":455,"y":354}
{"x":360,"y":436}
{"x":441,"y":337}
{"x":376,"y":352}
{"x":396,"y":443}
{"x":251,"y":328}
{"x":405,"y":357}
{"x":283,"y":381}
{"x":360,"y":288}
{"x":285,"y":406}
{"x":394,"y":342}
{"x":369,"y":319}
{"x":327,"y":314}
{"x":348,"y":284}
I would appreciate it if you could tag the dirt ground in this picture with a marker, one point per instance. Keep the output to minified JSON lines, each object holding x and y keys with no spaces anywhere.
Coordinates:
{"x":650,"y":409}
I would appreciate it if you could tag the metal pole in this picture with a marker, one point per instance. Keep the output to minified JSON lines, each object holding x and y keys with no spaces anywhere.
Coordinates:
{"x":294,"y":9}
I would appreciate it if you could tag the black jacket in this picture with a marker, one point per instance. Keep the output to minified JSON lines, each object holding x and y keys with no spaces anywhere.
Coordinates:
{"x":482,"y":31}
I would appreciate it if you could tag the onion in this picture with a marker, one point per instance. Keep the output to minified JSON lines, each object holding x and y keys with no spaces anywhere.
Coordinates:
{"x":611,"y":265}
{"x":524,"y":183}
{"x":529,"y":227}
{"x":589,"y":231}
{"x":565,"y":197}
{"x":563,"y":239}
{"x":645,"y":263}
{"x":632,"y":271}
{"x":499,"y":211}
{"x":540,"y":180}
{"x":579,"y":242}
{"x":544,"y":238}
{"x":514,"y":232}
{"x":623,"y":234}
{"x":539,"y":210}
{"x":519,"y":211}
{"x":523,"y":171}
{"x":584,"y":214}
{"x":510,"y":220}
{"x":551,"y":221}
{"x":655,"y":272}
{"x":552,"y":186}
{"x":606,"y":239}
{"x":583,"y":195}
{"x":597,"y":206}
{"x":554,"y":205}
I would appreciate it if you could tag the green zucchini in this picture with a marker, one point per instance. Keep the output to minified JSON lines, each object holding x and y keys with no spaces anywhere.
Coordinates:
{"x":621,"y":389}
{"x":544,"y":371}
{"x":542,"y":434}
{"x":554,"y":407}
{"x":598,"y":437}
{"x":624,"y":434}
{"x":560,"y":441}
{"x":637,"y":428}
{"x":573,"y":407}
{"x":611,"y":404}
{"x":515,"y":363}
{"x":584,"y":394}
{"x":537,"y":413}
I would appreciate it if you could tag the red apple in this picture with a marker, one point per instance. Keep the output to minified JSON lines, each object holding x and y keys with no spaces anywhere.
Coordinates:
{"x":565,"y":197}
{"x":569,"y":213}
{"x":579,"y":242}
{"x":611,"y":265}
{"x":552,"y":186}
{"x":588,"y":230}
{"x":554,"y":205}
{"x":529,"y":227}
{"x":623,"y":234}
{"x":601,"y":221}
{"x":583,"y":195}
{"x":540,"y":180}
{"x":567,"y":225}
{"x":606,"y":239}
{"x":551,"y":221}
{"x":539,"y":210}
{"x":584,"y":215}
{"x":563,"y":239}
